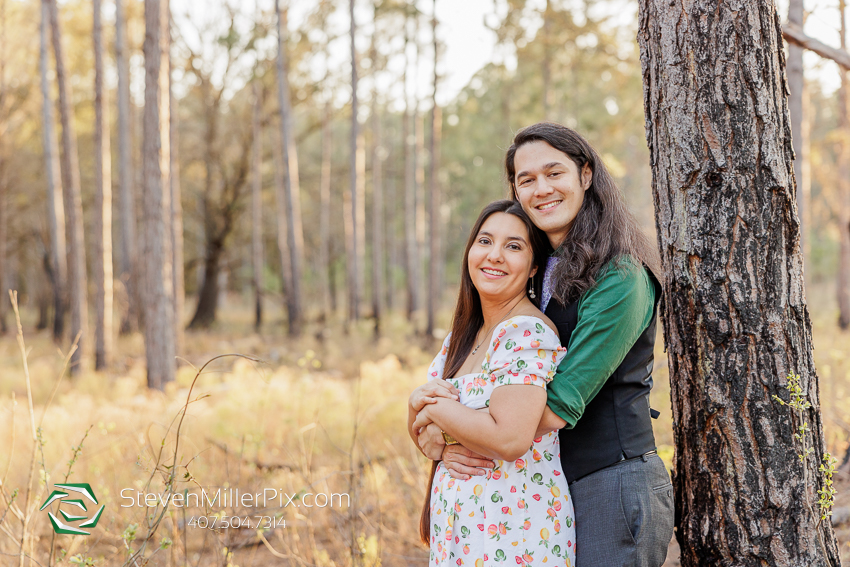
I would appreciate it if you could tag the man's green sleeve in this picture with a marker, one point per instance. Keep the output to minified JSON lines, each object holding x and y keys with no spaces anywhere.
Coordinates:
{"x":611,"y":316}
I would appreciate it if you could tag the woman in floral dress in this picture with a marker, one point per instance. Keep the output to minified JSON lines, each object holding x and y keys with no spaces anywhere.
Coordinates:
{"x":478,"y":394}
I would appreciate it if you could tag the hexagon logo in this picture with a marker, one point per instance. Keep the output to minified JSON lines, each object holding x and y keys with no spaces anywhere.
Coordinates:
{"x":63,"y":493}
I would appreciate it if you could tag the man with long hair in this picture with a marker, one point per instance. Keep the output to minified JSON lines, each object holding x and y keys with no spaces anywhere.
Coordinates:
{"x":600,"y":290}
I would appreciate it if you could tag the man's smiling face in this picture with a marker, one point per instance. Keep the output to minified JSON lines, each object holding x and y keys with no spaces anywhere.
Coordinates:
{"x":549,"y":187}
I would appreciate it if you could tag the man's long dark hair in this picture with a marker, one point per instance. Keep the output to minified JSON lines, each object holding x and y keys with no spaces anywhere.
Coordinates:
{"x":468,"y":318}
{"x":604,"y":229}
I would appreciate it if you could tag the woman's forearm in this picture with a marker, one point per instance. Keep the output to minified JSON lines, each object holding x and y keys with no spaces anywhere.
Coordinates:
{"x":506,"y":432}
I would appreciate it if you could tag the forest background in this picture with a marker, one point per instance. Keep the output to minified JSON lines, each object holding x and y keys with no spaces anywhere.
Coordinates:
{"x":322,"y":407}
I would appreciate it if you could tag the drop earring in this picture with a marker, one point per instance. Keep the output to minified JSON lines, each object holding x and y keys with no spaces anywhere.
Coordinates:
{"x":531,"y":293}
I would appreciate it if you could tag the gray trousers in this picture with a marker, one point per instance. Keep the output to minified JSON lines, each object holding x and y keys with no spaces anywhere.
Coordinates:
{"x":624,"y":515}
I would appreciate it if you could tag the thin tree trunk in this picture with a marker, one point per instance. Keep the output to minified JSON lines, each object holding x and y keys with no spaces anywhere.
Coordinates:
{"x":323,"y":270}
{"x":3,"y":165}
{"x":796,"y":85}
{"x":411,"y":252}
{"x":128,"y":275}
{"x":55,"y":207}
{"x":843,"y":283}
{"x":177,"y":278}
{"x":434,"y":256}
{"x":257,"y":210}
{"x":392,"y":240}
{"x":358,"y":186}
{"x":282,"y":222}
{"x":159,"y":302}
{"x":4,"y":231}
{"x":102,"y":208}
{"x":735,"y":316}
{"x":72,"y":201}
{"x":377,"y":202}
{"x":291,"y":186}
{"x":547,"y":63}
{"x":419,"y":167}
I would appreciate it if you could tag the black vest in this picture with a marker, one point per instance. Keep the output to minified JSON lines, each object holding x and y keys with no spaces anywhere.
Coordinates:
{"x":616,"y":422}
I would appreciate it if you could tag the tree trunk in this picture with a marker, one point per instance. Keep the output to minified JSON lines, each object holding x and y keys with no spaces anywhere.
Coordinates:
{"x":434,"y":257}
{"x":392,"y":240}
{"x":158,"y":299}
{"x":843,"y":283}
{"x":323,"y":269}
{"x":735,"y":316}
{"x":208,"y":296}
{"x":377,"y":204}
{"x":128,"y":275}
{"x":291,"y":186}
{"x":55,"y":207}
{"x":796,"y":84}
{"x":3,"y":165}
{"x":411,"y":252}
{"x":358,"y":187}
{"x":547,"y":93}
{"x":102,"y":208}
{"x":257,"y":210}
{"x":4,"y":220}
{"x":176,"y":216}
{"x":282,"y":223}
{"x":72,"y":201}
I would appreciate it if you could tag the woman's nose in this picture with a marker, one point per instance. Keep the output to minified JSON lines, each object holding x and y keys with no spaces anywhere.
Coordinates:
{"x":495,"y":254}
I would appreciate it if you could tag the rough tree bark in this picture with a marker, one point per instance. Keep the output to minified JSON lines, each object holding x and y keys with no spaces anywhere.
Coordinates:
{"x":291,"y":185}
{"x":435,"y":259}
{"x":843,"y":283}
{"x":72,"y":200}
{"x":55,"y":208}
{"x":158,"y":299}
{"x":126,"y":202}
{"x":735,"y":316}
{"x":102,"y":208}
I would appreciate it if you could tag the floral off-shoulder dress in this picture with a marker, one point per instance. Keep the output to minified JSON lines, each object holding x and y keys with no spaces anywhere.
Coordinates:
{"x":521,"y":513}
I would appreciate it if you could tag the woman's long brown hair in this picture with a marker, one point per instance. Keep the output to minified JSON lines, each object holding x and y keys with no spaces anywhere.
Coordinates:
{"x":604,"y":229}
{"x":468,"y":318}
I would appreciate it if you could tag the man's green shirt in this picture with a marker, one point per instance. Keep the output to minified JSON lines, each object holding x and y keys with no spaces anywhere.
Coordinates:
{"x":611,"y":316}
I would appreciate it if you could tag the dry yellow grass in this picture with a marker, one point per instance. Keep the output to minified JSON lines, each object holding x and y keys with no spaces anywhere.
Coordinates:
{"x":321,"y":416}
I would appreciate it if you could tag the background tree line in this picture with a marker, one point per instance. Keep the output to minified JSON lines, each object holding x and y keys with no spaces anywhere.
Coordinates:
{"x":228,"y":137}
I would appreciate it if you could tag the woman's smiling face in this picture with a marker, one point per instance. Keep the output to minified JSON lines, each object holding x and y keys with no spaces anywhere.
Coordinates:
{"x":501,"y":259}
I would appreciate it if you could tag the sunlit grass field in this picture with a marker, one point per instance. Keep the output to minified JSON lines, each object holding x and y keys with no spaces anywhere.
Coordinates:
{"x":321,"y":414}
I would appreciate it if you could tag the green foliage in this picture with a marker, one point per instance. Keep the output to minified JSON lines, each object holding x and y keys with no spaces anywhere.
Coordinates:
{"x":800,"y":405}
{"x":826,"y":494}
{"x":129,"y":536}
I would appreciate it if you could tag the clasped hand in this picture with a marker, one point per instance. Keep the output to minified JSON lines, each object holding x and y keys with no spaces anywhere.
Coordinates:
{"x":459,"y":461}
